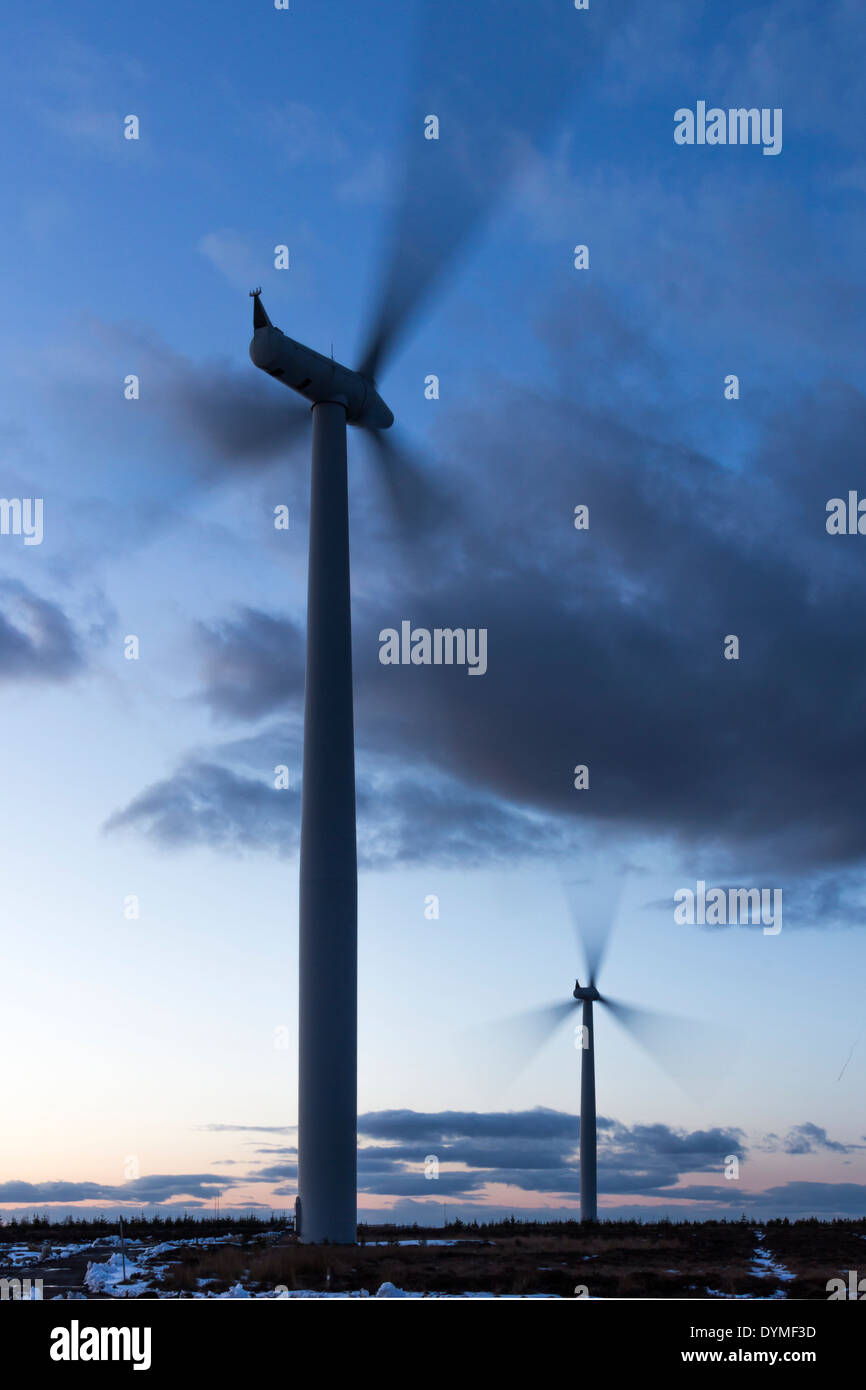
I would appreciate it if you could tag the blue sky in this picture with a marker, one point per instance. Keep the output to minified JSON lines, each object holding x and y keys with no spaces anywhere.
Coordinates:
{"x":151,"y":1049}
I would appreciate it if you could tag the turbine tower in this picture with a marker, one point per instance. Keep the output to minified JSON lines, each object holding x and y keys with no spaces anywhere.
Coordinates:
{"x":328,"y":918}
{"x":588,"y":1133}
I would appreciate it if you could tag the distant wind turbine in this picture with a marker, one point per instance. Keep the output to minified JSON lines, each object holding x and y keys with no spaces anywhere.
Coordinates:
{"x":672,"y":1041}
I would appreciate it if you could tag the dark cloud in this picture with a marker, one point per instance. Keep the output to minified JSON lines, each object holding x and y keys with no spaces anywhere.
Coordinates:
{"x":414,"y":817}
{"x":157,"y":1188}
{"x":809,"y":1139}
{"x":401,"y":819}
{"x":535,"y":1150}
{"x":37,"y":640}
{"x":793,"y":1199}
{"x":532,"y":1150}
{"x":444,"y":1125}
{"x":277,"y":1172}
{"x":248,"y":1129}
{"x":253,"y":664}
{"x":606,"y":647}
{"x":204,"y":803}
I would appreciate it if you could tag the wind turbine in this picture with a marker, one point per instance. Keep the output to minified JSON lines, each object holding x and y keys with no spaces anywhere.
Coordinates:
{"x":447,"y":190}
{"x":670,"y":1040}
{"x":328,"y":919}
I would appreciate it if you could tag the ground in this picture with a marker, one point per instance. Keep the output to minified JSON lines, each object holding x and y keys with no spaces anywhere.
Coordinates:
{"x":611,"y":1260}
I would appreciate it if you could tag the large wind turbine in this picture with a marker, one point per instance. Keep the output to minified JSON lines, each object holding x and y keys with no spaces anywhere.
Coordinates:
{"x":328,"y":920}
{"x":450,"y":182}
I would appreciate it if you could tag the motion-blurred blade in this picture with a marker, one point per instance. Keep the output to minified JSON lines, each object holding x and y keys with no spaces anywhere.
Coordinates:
{"x":510,"y":1044}
{"x":233,"y":430}
{"x":251,"y":430}
{"x":593,"y":906}
{"x":680,"y":1046}
{"x":535,"y":53}
{"x":419,"y":505}
{"x":533,"y":1028}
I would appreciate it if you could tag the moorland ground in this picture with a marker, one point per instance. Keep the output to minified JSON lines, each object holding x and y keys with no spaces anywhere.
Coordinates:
{"x":622,"y":1259}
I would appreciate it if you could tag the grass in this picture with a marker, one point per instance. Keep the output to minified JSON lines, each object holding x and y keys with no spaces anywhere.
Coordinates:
{"x":614,"y":1260}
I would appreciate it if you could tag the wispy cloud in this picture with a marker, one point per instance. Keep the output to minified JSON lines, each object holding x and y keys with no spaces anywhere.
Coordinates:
{"x":234,"y":256}
{"x":37,"y":639}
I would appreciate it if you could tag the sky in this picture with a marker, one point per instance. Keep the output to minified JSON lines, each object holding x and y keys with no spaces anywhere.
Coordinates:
{"x":149,"y":860}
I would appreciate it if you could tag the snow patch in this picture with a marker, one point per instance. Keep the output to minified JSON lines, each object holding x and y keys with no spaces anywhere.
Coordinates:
{"x":106,"y":1277}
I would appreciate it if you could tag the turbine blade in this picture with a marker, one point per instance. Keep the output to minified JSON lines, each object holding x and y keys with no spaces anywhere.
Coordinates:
{"x":682,"y":1047}
{"x":248,"y":429}
{"x":516,"y":1040}
{"x":534,"y":1027}
{"x":232,"y":417}
{"x":452,"y":176}
{"x":593,"y":907}
{"x":418,"y":504}
{"x":235,"y":428}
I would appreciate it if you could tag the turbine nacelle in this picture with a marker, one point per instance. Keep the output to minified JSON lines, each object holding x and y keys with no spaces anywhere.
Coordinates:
{"x":586,"y":992}
{"x":313,"y":376}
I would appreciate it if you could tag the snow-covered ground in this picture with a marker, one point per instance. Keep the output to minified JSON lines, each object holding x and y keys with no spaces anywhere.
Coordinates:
{"x":763,"y":1262}
{"x":429,"y":1242}
{"x":145,"y":1270}
{"x":106,"y":1278}
{"x":383,"y":1291}
{"x":766,"y":1267}
{"x":19,"y":1256}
